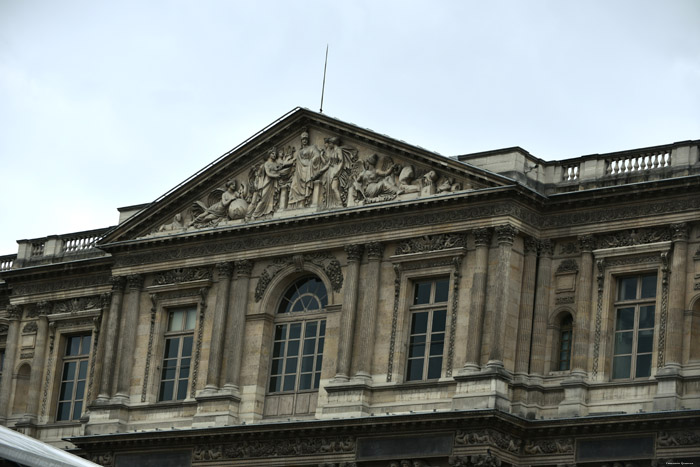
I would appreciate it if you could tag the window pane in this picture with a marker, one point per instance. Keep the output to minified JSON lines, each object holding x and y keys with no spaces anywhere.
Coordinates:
{"x":187,"y":346}
{"x":68,"y":371}
{"x":628,"y":288}
{"x":175,"y":322}
{"x":168,"y":373}
{"x":319,"y":361}
{"x":307,"y":364}
{"x":625,"y":319}
{"x":309,"y":346}
{"x":63,"y":412}
{"x":182,"y":390}
{"x":646,"y":316}
{"x":77,"y":410}
{"x":434,"y":367}
{"x":322,"y":331}
{"x":643,"y":366}
{"x":293,"y":348}
{"x":320,"y":346}
{"x":275,"y":383}
{"x":621,"y":367}
{"x":623,"y":342}
{"x":73,"y":346}
{"x":291,"y":366}
{"x":436,"y":348}
{"x":442,"y":289}
{"x":295,"y":331}
{"x":82,"y":369}
{"x":278,"y":349}
{"x":289,"y":382}
{"x":305,"y":381}
{"x":415,"y":370}
{"x":416,"y":350}
{"x":191,"y":320}
{"x":421,"y":294}
{"x":280,"y":332}
{"x":185,"y":369}
{"x":171,"y":347}
{"x":419,"y":323}
{"x":311,"y":329}
{"x":276,"y":367}
{"x":66,"y":392}
{"x":649,"y":286}
{"x":645,"y":341}
{"x":166,"y":390}
{"x":439,"y":320}
{"x":85,"y":350}
{"x":79,"y":390}
{"x":317,"y":380}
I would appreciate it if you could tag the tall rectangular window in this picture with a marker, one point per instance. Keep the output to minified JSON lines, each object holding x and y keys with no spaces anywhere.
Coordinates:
{"x":71,"y":395}
{"x":177,"y":356}
{"x":426,"y":342}
{"x":634,"y":326}
{"x":297,"y":356}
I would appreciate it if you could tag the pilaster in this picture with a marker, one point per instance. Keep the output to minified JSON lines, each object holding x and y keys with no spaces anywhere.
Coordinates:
{"x":110,"y":340}
{"x":14,"y":314}
{"x":527,"y":300}
{"x":368,"y":314}
{"x":505,"y":235}
{"x":127,"y":334}
{"x":482,"y":241}
{"x":347,"y":318}
{"x":542,"y":294}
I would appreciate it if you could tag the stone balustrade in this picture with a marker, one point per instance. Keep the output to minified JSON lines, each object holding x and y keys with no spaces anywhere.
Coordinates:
{"x":6,"y":262}
{"x":57,"y":247}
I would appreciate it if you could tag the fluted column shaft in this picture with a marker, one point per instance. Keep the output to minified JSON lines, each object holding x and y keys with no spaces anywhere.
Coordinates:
{"x":582,"y":330}
{"x":347,"y":318}
{"x":368,"y":313}
{"x":218,"y":326}
{"x":235,"y":325}
{"x":110,"y":339}
{"x":15,"y":313}
{"x":482,"y":241}
{"x":506,"y":236}
{"x":527,"y":300}
{"x":38,"y":363}
{"x":677,"y":281}
{"x":127,"y":334}
{"x":539,"y":327}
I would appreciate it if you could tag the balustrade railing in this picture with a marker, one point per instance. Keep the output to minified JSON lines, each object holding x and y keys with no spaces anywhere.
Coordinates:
{"x":628,"y":163}
{"x":6,"y":262}
{"x":80,"y":243}
{"x":38,"y":248}
{"x":570,"y":172}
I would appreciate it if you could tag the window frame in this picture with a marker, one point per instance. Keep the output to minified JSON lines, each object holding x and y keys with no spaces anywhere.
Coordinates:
{"x":180,"y":335}
{"x":65,"y":337}
{"x":561,"y":329}
{"x":636,"y":304}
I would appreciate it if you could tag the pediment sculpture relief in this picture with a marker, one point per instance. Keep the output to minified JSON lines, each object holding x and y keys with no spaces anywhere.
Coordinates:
{"x":309,"y":179}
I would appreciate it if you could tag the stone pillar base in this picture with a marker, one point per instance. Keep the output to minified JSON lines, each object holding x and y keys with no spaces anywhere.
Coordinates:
{"x":351,"y":399}
{"x":216,"y":410}
{"x":488,"y":389}
{"x":107,"y":418}
{"x":575,"y":398}
{"x":668,"y":390}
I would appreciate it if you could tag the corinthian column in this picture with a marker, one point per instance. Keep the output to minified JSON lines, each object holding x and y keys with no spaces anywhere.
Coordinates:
{"x":218,"y":326}
{"x":127,"y":332}
{"x":677,"y":280}
{"x":14,"y":314}
{"x":110,"y":340}
{"x":582,"y":331}
{"x":539,"y":329}
{"x":368,"y":314}
{"x":37,"y":363}
{"x":347,"y":318}
{"x":235,"y":325}
{"x":506,"y":236}
{"x":482,"y":241}
{"x":527,"y":299}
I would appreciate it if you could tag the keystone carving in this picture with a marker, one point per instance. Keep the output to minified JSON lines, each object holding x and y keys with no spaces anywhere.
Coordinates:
{"x":330,"y":265}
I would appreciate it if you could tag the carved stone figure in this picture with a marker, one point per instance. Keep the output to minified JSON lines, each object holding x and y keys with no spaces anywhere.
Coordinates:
{"x":176,"y":224}
{"x":339,"y":161}
{"x":407,"y":182}
{"x":308,"y":164}
{"x":219,"y":211}
{"x":267,"y":178}
{"x":374,"y":184}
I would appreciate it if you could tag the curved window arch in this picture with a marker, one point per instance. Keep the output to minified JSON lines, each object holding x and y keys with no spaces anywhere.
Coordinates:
{"x":306,"y":294}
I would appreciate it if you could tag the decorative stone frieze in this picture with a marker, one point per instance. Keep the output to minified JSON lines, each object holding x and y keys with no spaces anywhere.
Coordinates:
{"x":489,"y":438}
{"x":633,"y":237}
{"x":267,"y":448}
{"x":431,"y":243}
{"x":667,"y":439}
{"x":92,"y":280}
{"x":565,"y":300}
{"x":75,"y":305}
{"x":568,"y":248}
{"x":176,"y":276}
{"x":549,"y":446}
{"x":479,"y":460}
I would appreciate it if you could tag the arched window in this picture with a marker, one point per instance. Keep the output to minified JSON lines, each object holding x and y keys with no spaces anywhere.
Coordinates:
{"x":566,"y":328}
{"x":297,"y":351}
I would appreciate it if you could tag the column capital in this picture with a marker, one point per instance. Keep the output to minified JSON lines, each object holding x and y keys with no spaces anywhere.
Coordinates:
{"x":14,"y":312}
{"x":679,"y":232}
{"x":531,"y":245}
{"x":105,"y":300}
{"x":118,"y":283}
{"x":43,"y":308}
{"x":545,"y":247}
{"x":506,"y":234}
{"x":586,"y":243}
{"x":134,"y":281}
{"x":244,"y":267}
{"x":354,"y":252}
{"x":375,"y":250}
{"x":482,"y":237}
{"x":225,"y":269}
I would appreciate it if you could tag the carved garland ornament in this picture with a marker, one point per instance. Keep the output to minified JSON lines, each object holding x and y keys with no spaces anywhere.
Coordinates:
{"x":75,"y":305}
{"x":430,"y":243}
{"x":179,"y":275}
{"x":488,"y":437}
{"x":247,"y":449}
{"x":480,"y":460}
{"x":49,"y":367}
{"x":567,"y":266}
{"x":549,"y":446}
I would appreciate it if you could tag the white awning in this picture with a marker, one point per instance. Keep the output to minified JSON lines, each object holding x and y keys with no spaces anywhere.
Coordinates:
{"x":22,"y":449}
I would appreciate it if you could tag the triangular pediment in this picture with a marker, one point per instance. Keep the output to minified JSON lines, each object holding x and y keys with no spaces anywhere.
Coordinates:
{"x":303,"y":164}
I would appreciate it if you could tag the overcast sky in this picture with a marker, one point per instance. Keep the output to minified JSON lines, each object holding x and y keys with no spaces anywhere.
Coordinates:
{"x":109,"y":104}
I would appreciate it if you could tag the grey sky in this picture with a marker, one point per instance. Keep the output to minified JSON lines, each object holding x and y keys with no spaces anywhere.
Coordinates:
{"x":108,"y":104}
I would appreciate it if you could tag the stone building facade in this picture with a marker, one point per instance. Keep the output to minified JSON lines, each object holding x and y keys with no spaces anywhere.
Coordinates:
{"x":323,"y":295}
